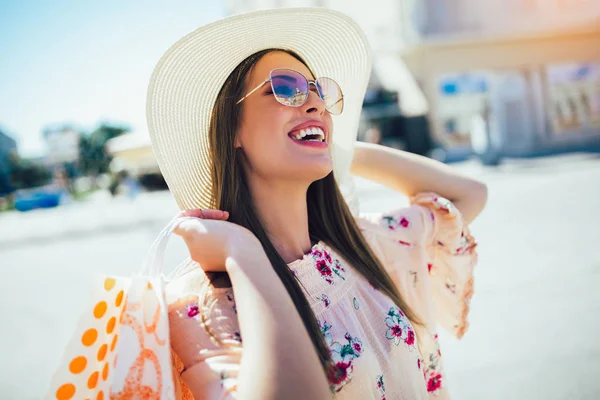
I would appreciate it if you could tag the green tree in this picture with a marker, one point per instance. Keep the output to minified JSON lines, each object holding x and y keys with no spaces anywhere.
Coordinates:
{"x":93,"y":158}
{"x":27,"y":174}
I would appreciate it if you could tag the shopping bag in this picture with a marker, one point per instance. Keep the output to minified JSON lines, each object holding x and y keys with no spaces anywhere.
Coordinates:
{"x":120,"y":348}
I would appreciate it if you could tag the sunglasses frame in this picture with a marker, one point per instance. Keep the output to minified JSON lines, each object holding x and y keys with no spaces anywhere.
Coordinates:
{"x":309,"y":82}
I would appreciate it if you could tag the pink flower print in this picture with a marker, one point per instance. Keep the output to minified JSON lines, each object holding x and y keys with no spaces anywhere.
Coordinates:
{"x":232,"y":300}
{"x":342,"y":356}
{"x":451,"y":287}
{"x":327,"y":266}
{"x":403,"y":243}
{"x":429,"y":266}
{"x":434,"y":382}
{"x":339,"y":373}
{"x":399,"y":328}
{"x":419,"y":363}
{"x":325,"y":300}
{"x":394,"y":332}
{"x":410,"y":338}
{"x":404,"y":222}
{"x":325,"y":271}
{"x":235,"y":335}
{"x":317,"y":253}
{"x":192,"y":311}
{"x":381,"y":386}
{"x":356,"y":345}
{"x":389,"y":221}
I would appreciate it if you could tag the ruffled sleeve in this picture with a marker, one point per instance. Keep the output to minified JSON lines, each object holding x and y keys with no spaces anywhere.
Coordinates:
{"x":430,"y":254}
{"x":452,"y":257}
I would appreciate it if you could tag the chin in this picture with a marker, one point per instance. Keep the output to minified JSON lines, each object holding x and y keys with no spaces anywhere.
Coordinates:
{"x":319,"y":174}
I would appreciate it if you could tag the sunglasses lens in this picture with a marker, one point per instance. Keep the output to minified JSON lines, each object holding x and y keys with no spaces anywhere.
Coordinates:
{"x":290,"y":88}
{"x":332,"y":95}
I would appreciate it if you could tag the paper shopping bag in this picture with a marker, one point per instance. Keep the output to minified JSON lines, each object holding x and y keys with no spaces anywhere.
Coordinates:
{"x":120,"y":349}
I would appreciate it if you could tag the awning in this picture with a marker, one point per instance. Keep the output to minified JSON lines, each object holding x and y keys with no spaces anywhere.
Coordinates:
{"x":394,"y":76}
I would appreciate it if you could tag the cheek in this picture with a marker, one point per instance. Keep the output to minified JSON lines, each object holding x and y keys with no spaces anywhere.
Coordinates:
{"x":263,"y":141}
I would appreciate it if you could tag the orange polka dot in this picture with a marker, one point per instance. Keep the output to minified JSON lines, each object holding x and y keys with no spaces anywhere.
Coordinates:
{"x":77,"y":365}
{"x":100,"y":309}
{"x":93,"y":380}
{"x":109,"y":283}
{"x":105,"y":371}
{"x":119,"y":298}
{"x":102,"y":352}
{"x":65,"y":392}
{"x":115,"y":362}
{"x":110,"y":326}
{"x":114,"y":342}
{"x":100,"y":395}
{"x":89,"y":337}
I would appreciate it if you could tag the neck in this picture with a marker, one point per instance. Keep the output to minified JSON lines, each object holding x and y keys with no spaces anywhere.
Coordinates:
{"x":282,"y":210}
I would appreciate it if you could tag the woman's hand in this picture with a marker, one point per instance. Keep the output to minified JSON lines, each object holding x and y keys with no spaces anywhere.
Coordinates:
{"x":210,"y":239}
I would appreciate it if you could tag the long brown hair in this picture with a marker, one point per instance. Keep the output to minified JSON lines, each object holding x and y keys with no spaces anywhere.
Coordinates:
{"x":329,"y":218}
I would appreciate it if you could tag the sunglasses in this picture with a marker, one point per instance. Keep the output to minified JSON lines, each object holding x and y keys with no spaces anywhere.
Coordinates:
{"x":291,"y":88}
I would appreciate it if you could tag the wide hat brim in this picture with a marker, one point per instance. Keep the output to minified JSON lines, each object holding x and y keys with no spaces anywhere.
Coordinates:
{"x":187,"y":79}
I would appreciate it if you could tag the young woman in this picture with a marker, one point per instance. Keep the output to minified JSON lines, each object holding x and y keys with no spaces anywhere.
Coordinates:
{"x":254,"y":137}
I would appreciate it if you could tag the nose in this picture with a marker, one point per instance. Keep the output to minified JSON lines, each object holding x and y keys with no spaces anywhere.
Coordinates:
{"x":314,"y":103}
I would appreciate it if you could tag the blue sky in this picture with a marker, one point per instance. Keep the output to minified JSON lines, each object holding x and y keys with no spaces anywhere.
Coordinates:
{"x":85,"y":62}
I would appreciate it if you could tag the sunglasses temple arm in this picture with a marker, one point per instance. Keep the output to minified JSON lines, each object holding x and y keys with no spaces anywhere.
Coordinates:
{"x":340,"y":99}
{"x":252,"y":91}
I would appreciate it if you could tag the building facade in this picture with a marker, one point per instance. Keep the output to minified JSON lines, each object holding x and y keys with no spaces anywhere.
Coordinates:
{"x":529,"y":68}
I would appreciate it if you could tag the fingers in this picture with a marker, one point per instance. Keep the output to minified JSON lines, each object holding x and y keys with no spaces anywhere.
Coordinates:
{"x":206,"y":214}
{"x":215,"y":214}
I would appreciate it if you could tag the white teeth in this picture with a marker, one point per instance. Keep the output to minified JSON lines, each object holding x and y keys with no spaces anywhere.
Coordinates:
{"x":315,"y":131}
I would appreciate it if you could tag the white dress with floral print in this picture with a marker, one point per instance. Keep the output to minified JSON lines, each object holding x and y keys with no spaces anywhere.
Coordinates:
{"x":377,"y":353}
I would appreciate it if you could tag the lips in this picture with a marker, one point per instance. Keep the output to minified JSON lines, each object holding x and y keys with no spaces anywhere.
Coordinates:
{"x":310,"y":127}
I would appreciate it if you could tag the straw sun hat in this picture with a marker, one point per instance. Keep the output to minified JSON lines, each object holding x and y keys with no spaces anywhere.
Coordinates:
{"x":185,"y":83}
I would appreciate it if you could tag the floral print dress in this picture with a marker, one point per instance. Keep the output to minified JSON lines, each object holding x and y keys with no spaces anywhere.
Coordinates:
{"x":377,"y":352}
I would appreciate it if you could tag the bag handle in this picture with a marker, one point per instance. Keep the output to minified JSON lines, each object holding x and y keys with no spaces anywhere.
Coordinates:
{"x":155,"y":258}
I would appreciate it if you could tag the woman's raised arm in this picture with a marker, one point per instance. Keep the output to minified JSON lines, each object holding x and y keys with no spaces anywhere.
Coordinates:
{"x":412,"y":174}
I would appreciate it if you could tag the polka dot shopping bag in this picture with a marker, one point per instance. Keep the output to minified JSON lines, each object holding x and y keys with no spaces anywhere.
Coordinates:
{"x":120,"y":349}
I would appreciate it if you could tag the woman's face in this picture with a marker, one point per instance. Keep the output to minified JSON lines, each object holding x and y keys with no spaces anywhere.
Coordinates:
{"x":268,"y":129}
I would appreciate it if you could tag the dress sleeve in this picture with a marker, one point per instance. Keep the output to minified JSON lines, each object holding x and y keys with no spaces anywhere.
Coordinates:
{"x":209,"y":329}
{"x":451,"y":259}
{"x":430,"y":254}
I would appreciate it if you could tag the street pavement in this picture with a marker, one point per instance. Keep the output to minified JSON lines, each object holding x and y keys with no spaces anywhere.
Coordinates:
{"x":534,"y":318}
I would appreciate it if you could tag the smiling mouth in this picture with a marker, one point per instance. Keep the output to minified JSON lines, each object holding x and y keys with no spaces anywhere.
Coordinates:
{"x":310,"y":134}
